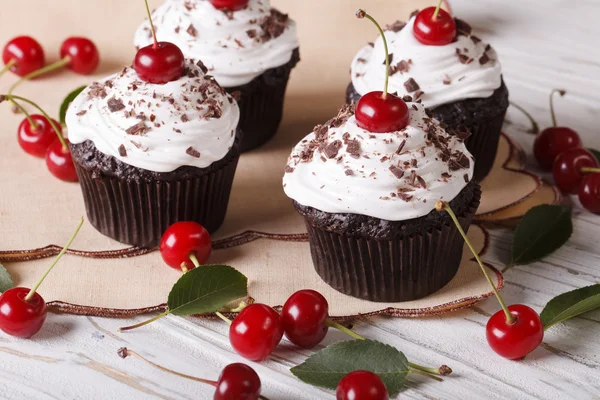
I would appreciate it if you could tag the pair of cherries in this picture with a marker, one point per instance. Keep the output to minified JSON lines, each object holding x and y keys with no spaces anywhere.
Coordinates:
{"x":575,"y":169}
{"x":381,"y":112}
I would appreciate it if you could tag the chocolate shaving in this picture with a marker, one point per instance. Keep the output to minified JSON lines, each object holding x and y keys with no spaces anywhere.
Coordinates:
{"x":402,"y":144}
{"x":396,"y":26}
{"x":191,"y":30}
{"x":331,"y":150}
{"x":184,"y":118}
{"x":288,"y":169}
{"x":80,"y":113}
{"x":138,"y":129}
{"x":402,"y":66}
{"x":422,"y":182}
{"x":353,"y":148}
{"x":411,"y":85}
{"x":115,"y":104}
{"x":398,"y":173}
{"x":273,"y":25}
{"x":122,"y":151}
{"x":462,"y":28}
{"x":97,"y":90}
{"x":484,"y":59}
{"x":389,"y":59}
{"x":349,"y":172}
{"x":192,"y":152}
{"x":466,"y":178}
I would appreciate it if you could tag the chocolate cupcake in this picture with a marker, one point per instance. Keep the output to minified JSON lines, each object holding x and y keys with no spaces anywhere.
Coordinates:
{"x":461,"y":82}
{"x":150,"y":155}
{"x":369,"y":205}
{"x":250,"y":52}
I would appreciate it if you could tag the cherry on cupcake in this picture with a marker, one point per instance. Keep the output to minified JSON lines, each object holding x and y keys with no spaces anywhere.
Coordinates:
{"x":229,"y":5}
{"x":434,"y":26}
{"x":160,"y":62}
{"x":361,"y":385}
{"x":570,"y":167}
{"x":381,"y":112}
{"x":554,"y":140}
{"x":22,"y":55}
{"x":23,"y":311}
{"x":514,"y":331}
{"x":237,"y":381}
{"x":185,"y":245}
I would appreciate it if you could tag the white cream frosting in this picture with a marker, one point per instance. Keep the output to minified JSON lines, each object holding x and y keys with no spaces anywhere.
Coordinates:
{"x":437,"y":70}
{"x":229,"y":44}
{"x":367,"y":180}
{"x":190,"y":121}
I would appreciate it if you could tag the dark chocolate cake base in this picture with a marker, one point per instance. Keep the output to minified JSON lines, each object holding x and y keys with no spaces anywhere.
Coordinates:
{"x":261,"y":103}
{"x":482,"y":117}
{"x":135,"y":206}
{"x":389,"y":261}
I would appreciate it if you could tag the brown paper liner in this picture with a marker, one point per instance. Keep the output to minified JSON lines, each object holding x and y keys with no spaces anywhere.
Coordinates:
{"x":261,"y":104}
{"x":394,"y":270}
{"x":138,"y":212}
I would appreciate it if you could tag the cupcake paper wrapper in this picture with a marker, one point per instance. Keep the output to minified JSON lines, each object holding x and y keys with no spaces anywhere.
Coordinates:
{"x":402,"y":269}
{"x":261,"y":104}
{"x":138,"y":213}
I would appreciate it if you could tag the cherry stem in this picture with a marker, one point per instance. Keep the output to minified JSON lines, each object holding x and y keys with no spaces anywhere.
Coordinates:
{"x":437,"y":10}
{"x":224,"y":318}
{"x":194,"y":260}
{"x":419,"y":372}
{"x":587,"y":170}
{"x":151,"y":25}
{"x":58,"y":257}
{"x":32,"y":122}
{"x":342,"y":328}
{"x":562,"y":92}
{"x":8,"y":66}
{"x":125,"y":352}
{"x":48,"y":68}
{"x":535,"y":128}
{"x":54,"y":126}
{"x":159,"y":316}
{"x":363,"y":14}
{"x":442,"y":205}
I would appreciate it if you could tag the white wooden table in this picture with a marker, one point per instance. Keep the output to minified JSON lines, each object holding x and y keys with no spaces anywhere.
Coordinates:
{"x":542,"y":44}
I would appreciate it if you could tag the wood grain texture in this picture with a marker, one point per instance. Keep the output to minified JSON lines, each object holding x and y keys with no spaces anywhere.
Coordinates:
{"x":542,"y":44}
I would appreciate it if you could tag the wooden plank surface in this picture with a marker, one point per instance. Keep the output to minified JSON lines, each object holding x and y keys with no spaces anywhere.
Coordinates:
{"x":542,"y":44}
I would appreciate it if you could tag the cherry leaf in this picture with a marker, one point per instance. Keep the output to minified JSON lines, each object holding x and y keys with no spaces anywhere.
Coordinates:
{"x":327,"y":367}
{"x":67,"y":101}
{"x":6,"y":281}
{"x":543,"y":230}
{"x":570,"y":304}
{"x":206,"y":289}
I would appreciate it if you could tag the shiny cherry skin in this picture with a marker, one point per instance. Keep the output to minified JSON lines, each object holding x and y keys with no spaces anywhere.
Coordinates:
{"x":515,"y":341}
{"x":36,"y":140}
{"x":21,"y":318}
{"x":437,"y":31}
{"x":26,"y":52}
{"x":589,"y":192}
{"x":238,"y":382}
{"x":551,"y":142}
{"x":567,"y":166}
{"x":182,"y":239}
{"x":380,"y":115}
{"x":60,"y":162}
{"x":83,"y":54}
{"x":304,"y":317}
{"x":255,"y":332}
{"x":159,"y":63}
{"x":230,"y":5}
{"x":361,"y":385}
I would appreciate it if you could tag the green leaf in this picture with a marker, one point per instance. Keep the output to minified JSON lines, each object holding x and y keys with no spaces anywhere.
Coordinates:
{"x":570,"y":304}
{"x":596,"y":153}
{"x":67,"y":101}
{"x":543,"y":230}
{"x":6,"y":281}
{"x":327,"y":367}
{"x":206,"y":289}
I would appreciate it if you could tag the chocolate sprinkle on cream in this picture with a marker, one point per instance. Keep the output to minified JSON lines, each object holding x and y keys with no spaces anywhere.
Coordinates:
{"x":115,"y":104}
{"x":138,"y":129}
{"x":398,"y":173}
{"x":122,"y":151}
{"x":353,"y":148}
{"x":462,"y":27}
{"x":396,"y":26}
{"x":411,"y":85}
{"x":193,"y":152}
{"x":332,"y":149}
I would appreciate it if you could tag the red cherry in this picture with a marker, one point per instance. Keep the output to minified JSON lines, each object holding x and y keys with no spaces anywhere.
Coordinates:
{"x":589,"y":192}
{"x":256,"y":331}
{"x":60,"y":163}
{"x":159,"y":63}
{"x":183,"y":239}
{"x":361,"y":385}
{"x":238,"y":382}
{"x":304,"y":318}
{"x":82,"y":53}
{"x":26,"y":54}
{"x":567,"y":166}
{"x":433,"y":30}
{"x":378,"y":114}
{"x":231,"y":5}
{"x":19,"y":317}
{"x":36,"y":140}
{"x":553,"y":141}
{"x":516,"y":340}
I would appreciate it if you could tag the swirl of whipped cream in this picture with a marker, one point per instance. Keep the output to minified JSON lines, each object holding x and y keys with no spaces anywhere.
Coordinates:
{"x":466,"y":68}
{"x":235,"y":46}
{"x":190,"y":121}
{"x":342,"y":168}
